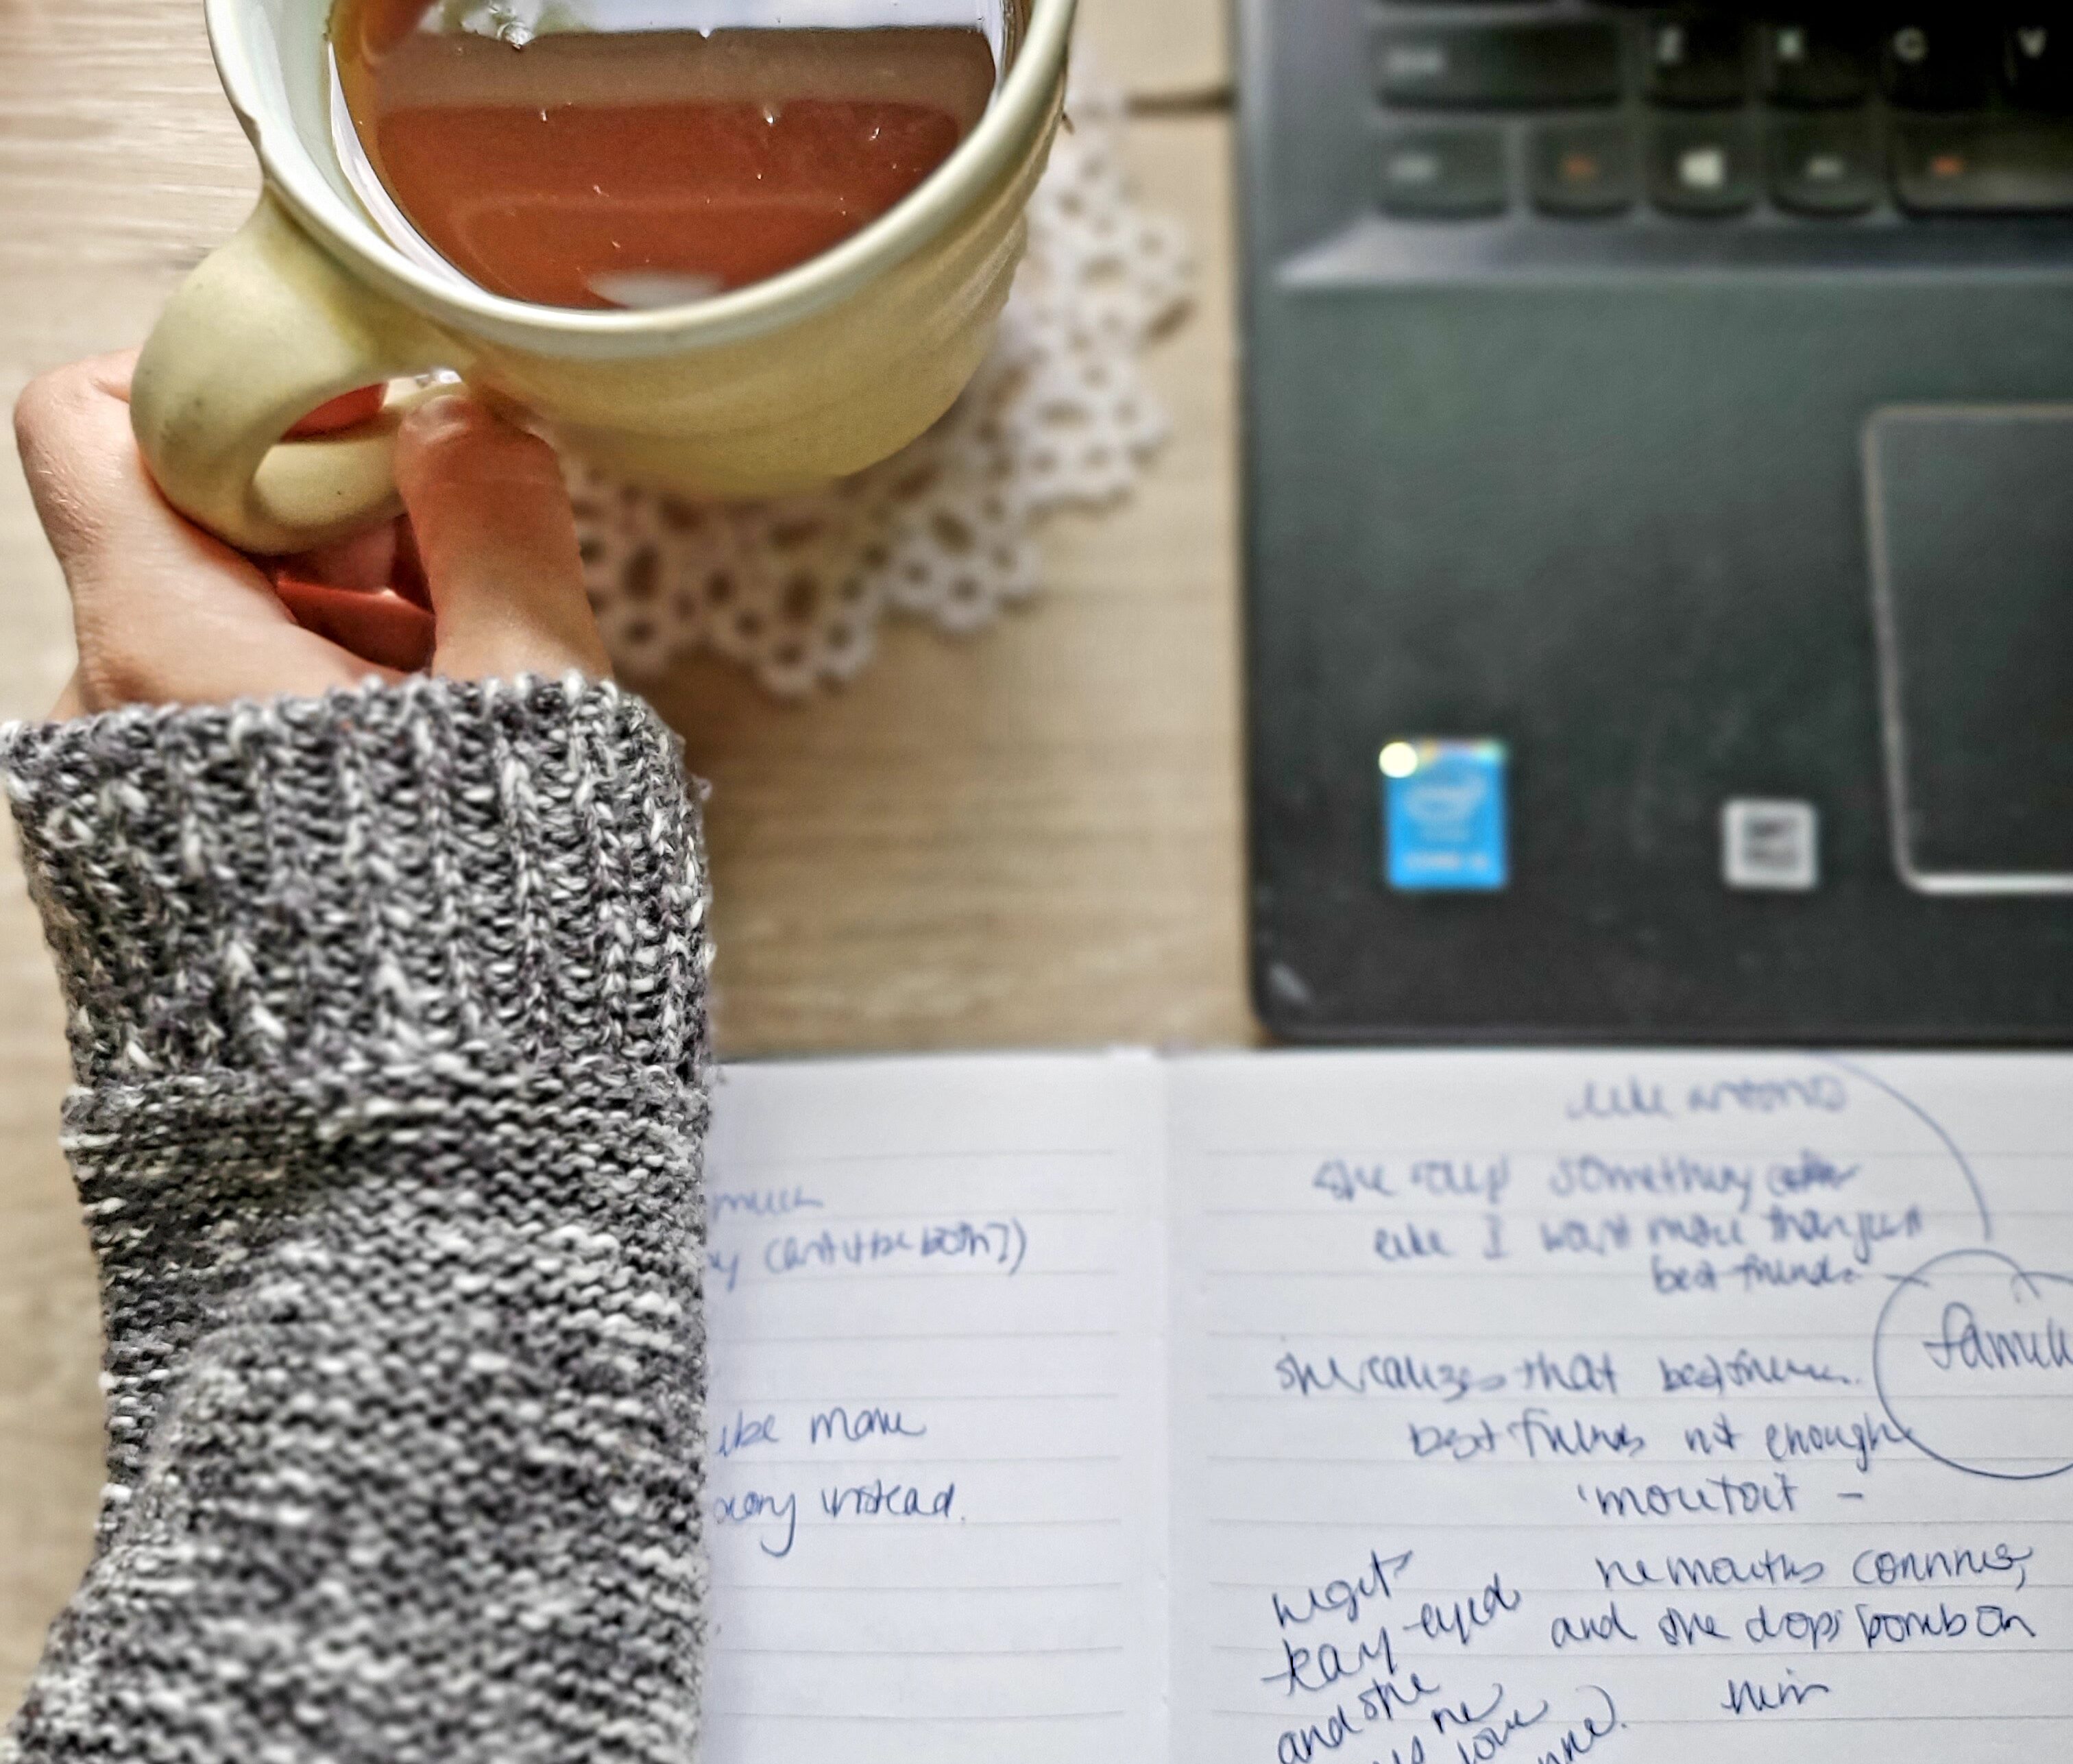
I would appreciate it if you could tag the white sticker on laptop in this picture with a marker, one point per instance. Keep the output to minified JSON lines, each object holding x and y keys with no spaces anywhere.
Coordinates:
{"x":1769,"y":844}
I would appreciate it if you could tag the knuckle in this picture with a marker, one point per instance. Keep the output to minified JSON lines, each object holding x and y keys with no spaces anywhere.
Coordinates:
{"x":41,"y":408}
{"x":57,"y":436}
{"x":58,"y":393}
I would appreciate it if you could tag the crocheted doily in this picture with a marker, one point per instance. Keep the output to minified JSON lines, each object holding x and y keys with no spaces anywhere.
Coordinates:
{"x":794,"y":588}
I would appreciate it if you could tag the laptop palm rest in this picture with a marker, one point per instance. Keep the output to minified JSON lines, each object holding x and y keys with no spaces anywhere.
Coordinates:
{"x":1970,"y":511}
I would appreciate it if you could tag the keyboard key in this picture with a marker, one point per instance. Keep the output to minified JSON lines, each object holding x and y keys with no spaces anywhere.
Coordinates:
{"x":1980,"y":166}
{"x":1448,"y":174}
{"x":1498,"y":65}
{"x":1583,"y":169}
{"x":1934,"y":66}
{"x":1697,"y":61}
{"x":1813,"y":66}
{"x":1704,"y":169}
{"x":1825,"y":166}
{"x":2039,"y":65}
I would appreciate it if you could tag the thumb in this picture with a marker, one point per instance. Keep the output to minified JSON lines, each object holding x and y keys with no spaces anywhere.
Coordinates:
{"x":498,"y":538}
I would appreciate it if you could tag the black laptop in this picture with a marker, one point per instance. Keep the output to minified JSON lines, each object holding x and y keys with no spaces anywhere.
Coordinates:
{"x":1660,"y":521}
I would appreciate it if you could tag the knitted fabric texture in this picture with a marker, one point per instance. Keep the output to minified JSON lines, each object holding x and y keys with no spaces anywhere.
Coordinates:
{"x":387,"y":1014}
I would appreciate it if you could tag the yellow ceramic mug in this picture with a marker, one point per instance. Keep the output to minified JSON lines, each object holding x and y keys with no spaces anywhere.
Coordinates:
{"x":810,"y":375}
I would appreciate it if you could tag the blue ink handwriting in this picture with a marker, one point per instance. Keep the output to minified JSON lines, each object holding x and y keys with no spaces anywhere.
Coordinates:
{"x":1675,"y":1176}
{"x":1715,"y":1497}
{"x":1606,"y":1626}
{"x":1462,"y":1620}
{"x":1745,"y":1370}
{"x":1410,"y":1243}
{"x":1899,"y":1628}
{"x":1307,"y":1668}
{"x":1859,"y":1440}
{"x":1345,"y":1181}
{"x":743,"y":1431}
{"x":760,"y":1203}
{"x":1000,"y":1243}
{"x":853,"y":1426}
{"x":1963,"y":1342}
{"x":1746,"y":1696}
{"x":1630,"y":1099}
{"x":1821,"y":1091}
{"x":1684,"y":1629}
{"x":1808,"y":1631}
{"x":1346,"y":1597}
{"x":1771,"y":1567}
{"x":1485,"y":1181}
{"x":1580,"y":1375}
{"x":1931,"y":1568}
{"x":755,"y":1508}
{"x":1393,"y":1374}
{"x":881,"y":1500}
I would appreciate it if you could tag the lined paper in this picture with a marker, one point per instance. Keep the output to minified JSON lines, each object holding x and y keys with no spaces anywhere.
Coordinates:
{"x":1595,"y":1406}
{"x":937,"y":1505}
{"x":1393,"y":1408}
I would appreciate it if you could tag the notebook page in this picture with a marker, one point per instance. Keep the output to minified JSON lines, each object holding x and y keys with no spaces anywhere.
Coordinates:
{"x":937,"y":1431}
{"x":1535,"y":1407}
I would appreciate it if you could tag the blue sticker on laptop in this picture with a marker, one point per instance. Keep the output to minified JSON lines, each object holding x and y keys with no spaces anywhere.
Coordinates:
{"x":1444,"y":816}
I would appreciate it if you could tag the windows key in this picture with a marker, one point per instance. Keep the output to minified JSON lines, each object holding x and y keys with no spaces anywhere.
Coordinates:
{"x":1702,"y":169}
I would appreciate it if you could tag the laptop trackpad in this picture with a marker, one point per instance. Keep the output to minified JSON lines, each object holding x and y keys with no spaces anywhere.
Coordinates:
{"x":1970,"y":513}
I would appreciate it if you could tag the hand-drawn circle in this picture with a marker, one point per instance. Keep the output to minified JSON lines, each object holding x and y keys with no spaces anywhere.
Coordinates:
{"x":1973,"y":1186}
{"x":1964,"y":1443}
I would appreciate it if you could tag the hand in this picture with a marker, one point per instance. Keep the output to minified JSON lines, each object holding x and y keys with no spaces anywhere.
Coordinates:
{"x":480,"y":580}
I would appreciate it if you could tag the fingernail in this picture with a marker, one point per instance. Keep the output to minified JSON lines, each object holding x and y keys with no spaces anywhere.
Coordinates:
{"x":448,"y":415}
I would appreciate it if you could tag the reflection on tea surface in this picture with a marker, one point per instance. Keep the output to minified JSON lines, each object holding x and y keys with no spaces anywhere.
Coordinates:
{"x":636,"y":153}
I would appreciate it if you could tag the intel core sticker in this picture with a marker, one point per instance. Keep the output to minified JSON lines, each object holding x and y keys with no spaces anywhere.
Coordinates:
{"x":1443,"y":815}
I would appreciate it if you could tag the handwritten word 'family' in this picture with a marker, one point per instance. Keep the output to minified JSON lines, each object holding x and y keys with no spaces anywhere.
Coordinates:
{"x":1964,"y":1343}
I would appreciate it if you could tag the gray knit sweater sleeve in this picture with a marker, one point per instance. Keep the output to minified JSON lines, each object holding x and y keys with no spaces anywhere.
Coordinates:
{"x":387,"y":1018}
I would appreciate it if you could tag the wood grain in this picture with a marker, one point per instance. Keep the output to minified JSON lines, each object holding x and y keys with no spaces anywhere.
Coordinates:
{"x":1033,"y":835}
{"x":1028,"y":836}
{"x":1161,"y":49}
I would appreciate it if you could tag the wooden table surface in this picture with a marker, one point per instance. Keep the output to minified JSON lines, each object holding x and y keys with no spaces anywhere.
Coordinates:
{"x":1029,"y":837}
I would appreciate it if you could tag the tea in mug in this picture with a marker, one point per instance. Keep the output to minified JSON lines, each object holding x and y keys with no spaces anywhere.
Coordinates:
{"x":640,"y":153}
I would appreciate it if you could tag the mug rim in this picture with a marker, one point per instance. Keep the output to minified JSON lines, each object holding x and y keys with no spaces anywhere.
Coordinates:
{"x":1019,"y":113}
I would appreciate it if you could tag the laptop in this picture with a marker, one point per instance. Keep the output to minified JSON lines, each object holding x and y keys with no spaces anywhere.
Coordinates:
{"x":1659,"y":465}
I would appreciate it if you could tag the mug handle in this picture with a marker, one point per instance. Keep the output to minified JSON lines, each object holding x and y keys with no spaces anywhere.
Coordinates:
{"x":264,"y":329}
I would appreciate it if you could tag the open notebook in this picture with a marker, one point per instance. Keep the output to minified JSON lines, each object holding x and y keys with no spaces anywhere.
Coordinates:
{"x":1371,"y":1408}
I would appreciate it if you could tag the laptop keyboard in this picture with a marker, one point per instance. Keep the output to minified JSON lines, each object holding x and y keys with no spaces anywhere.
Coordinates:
{"x":1588,"y":113}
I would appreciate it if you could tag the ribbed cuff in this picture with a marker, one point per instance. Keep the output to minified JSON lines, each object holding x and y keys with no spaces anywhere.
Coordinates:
{"x":388,"y":874}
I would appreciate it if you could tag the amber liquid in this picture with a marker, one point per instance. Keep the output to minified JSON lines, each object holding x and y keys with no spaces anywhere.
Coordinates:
{"x":593,"y":168}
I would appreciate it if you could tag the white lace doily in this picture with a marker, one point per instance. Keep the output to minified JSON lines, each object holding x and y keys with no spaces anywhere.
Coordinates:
{"x":793,"y":589}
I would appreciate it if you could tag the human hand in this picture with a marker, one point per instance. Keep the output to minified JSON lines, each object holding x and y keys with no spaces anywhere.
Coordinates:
{"x":480,"y":580}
